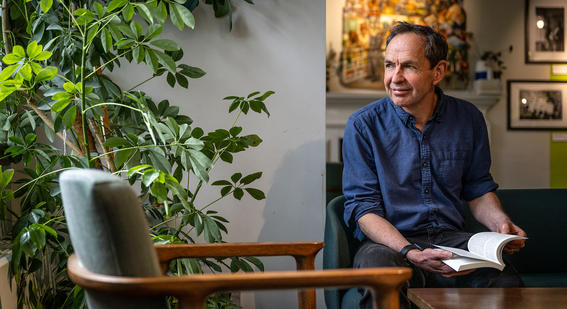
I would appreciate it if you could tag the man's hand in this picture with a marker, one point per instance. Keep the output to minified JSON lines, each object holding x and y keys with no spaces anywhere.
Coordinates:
{"x":509,"y":227}
{"x":431,"y":260}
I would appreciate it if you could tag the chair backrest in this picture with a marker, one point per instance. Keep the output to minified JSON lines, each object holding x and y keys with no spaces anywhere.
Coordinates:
{"x":340,"y":246}
{"x":109,"y":232}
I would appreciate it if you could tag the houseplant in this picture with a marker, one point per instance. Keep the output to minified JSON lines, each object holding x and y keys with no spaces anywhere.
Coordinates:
{"x":55,"y":82}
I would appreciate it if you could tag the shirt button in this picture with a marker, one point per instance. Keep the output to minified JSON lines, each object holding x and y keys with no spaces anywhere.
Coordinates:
{"x":426,"y":191}
{"x":425,"y":164}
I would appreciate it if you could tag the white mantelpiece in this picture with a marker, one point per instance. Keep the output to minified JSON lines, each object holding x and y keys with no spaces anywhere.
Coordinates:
{"x":341,"y":105}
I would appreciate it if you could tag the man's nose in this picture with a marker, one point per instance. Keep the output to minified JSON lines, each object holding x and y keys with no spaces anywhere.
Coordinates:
{"x":398,"y":75}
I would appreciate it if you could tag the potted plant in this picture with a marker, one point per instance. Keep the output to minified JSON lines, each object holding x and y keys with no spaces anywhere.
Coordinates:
{"x":56,"y":81}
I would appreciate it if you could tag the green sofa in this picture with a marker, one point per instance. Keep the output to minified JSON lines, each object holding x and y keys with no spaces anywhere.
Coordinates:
{"x":542,"y":213}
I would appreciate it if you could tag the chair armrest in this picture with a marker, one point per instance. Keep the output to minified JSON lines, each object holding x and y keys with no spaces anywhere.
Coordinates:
{"x":192,"y":290}
{"x":303,"y":252}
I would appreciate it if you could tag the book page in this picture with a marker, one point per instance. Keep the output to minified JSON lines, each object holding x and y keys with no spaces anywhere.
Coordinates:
{"x":461,"y":252}
{"x":459,"y":263}
{"x":489,"y":245}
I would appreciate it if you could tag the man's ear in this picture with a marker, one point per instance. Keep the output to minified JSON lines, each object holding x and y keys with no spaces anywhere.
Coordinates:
{"x":439,"y":71}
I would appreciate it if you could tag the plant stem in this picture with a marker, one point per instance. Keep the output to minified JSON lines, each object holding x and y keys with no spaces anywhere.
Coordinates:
{"x":6,"y":27}
{"x":84,"y":103}
{"x":135,"y":147}
{"x":51,"y":125}
{"x":111,"y":103}
{"x":109,"y":61}
{"x":140,"y":84}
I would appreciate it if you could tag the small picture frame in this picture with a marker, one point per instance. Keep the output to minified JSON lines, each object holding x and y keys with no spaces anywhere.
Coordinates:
{"x":545,"y":31}
{"x":537,"y":105}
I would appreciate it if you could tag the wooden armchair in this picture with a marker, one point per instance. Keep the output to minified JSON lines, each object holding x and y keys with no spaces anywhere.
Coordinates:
{"x":117,"y":264}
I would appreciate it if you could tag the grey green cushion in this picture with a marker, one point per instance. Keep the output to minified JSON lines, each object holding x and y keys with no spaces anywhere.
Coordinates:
{"x":109,"y":232}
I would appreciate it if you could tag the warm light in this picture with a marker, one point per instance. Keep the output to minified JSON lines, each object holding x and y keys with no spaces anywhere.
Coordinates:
{"x":540,"y":23}
{"x":524,"y":101}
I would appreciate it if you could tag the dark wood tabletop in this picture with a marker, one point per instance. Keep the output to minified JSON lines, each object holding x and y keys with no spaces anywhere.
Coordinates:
{"x":493,"y":298}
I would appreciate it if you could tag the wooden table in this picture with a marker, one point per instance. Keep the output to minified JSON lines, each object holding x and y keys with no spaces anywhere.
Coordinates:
{"x":489,"y":298}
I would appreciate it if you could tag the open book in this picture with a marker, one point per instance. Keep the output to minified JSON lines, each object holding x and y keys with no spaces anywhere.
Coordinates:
{"x":485,"y":250}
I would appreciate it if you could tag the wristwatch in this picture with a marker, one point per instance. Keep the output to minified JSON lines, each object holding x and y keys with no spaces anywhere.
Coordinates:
{"x":406,"y":249}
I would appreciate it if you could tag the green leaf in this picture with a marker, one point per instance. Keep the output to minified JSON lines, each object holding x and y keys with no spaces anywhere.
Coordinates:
{"x":19,"y":51}
{"x":225,"y":190}
{"x":221,"y":183}
{"x":238,"y":193}
{"x":69,"y":87}
{"x":171,"y":80}
{"x":114,"y":4}
{"x":236,"y":177}
{"x":265,"y":95}
{"x":8,"y":71}
{"x":106,"y":40}
{"x":149,"y":176}
{"x":175,"y":17}
{"x":45,"y":5}
{"x":128,"y":13}
{"x":69,"y":117}
{"x":152,"y":60}
{"x":165,"y":60}
{"x":181,"y":80}
{"x":234,"y":131}
{"x":12,"y":58}
{"x":226,"y":156}
{"x":250,"y":178}
{"x":252,"y":94}
{"x":26,"y":72}
{"x":186,"y":15}
{"x":44,"y":55}
{"x":36,"y":68}
{"x":136,"y":29}
{"x":46,"y":74}
{"x":91,"y":33}
{"x":145,"y":12}
{"x":255,"y":261}
{"x":166,"y":44}
{"x":121,"y":156}
{"x":192,"y":72}
{"x":115,"y":141}
{"x":33,"y":49}
{"x":60,"y":105}
{"x":153,"y":31}
{"x":255,"y":193}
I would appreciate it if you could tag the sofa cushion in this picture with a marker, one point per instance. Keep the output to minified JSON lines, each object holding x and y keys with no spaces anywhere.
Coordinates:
{"x":545,"y":279}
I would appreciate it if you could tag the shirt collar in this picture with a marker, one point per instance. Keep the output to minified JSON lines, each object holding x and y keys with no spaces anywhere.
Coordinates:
{"x":437,"y":114}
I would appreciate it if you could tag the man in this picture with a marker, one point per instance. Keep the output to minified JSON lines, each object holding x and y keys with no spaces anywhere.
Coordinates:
{"x":410,"y":159}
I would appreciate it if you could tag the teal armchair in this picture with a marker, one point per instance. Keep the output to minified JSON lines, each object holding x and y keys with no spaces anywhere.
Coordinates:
{"x":340,"y":247}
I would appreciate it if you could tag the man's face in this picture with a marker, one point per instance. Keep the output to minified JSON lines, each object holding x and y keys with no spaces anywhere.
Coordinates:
{"x":408,"y":76}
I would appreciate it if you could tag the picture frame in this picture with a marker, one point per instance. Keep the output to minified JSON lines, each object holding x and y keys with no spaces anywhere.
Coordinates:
{"x":545,"y":35}
{"x":537,"y":105}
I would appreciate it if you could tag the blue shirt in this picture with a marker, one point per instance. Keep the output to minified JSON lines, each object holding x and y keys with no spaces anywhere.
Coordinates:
{"x":415,"y":180}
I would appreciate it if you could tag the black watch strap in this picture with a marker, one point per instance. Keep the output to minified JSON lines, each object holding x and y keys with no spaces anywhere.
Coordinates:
{"x":406,"y":249}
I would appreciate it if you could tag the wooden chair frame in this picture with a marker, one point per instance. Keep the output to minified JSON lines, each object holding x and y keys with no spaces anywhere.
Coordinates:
{"x":192,"y":290}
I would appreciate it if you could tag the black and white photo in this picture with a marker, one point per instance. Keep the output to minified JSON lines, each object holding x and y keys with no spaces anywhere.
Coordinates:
{"x":545,"y":31}
{"x":536,"y":105}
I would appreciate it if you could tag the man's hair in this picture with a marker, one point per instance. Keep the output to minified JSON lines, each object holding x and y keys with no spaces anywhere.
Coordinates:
{"x":435,"y":44}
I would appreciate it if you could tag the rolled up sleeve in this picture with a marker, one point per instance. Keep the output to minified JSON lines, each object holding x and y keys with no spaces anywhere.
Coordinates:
{"x":477,"y":180}
{"x":360,"y":180}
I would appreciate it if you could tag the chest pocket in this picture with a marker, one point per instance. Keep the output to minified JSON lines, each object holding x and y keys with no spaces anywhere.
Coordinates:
{"x":451,"y":167}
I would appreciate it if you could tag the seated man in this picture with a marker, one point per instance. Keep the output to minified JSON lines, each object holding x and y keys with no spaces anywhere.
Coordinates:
{"x":410,"y":159}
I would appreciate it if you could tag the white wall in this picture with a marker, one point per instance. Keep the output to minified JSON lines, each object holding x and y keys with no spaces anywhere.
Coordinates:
{"x":520,"y":159}
{"x":274,"y":45}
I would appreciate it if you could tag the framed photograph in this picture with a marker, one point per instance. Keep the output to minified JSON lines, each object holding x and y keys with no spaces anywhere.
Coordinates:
{"x":545,"y":31}
{"x":537,"y":105}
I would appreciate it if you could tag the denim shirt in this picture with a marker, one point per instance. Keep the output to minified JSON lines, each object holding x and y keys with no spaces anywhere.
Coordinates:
{"x":415,"y":180}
